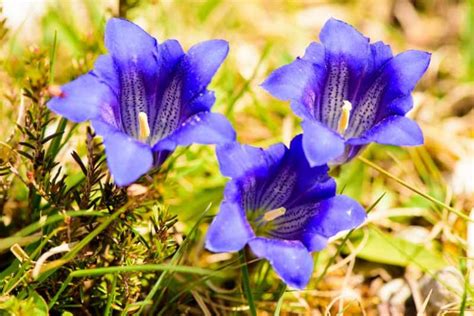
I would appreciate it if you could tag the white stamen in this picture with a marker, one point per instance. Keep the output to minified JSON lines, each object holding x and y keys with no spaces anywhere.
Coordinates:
{"x":143,"y":125}
{"x":42,"y":259}
{"x":345,"y":116}
{"x":273,"y":214}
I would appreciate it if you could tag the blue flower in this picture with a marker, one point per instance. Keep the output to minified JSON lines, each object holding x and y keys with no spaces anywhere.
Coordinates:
{"x":350,"y":93}
{"x":280,"y":206}
{"x":145,"y":99}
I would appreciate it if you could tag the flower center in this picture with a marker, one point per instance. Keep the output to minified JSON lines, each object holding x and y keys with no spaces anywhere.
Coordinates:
{"x":262,"y":221}
{"x":345,"y":116}
{"x":144,"y":128}
{"x":273,"y":214}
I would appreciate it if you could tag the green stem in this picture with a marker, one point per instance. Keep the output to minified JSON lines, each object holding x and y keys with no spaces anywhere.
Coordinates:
{"x":126,"y":269}
{"x":28,"y":230}
{"x":246,"y":283}
{"x":111,"y":297}
{"x":140,"y":268}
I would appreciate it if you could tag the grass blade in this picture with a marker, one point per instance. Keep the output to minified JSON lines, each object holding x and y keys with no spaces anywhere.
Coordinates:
{"x":410,"y":187}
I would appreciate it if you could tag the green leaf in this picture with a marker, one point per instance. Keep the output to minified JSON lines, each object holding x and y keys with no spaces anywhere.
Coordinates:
{"x":385,"y":248}
{"x":34,"y":304}
{"x":40,"y":308}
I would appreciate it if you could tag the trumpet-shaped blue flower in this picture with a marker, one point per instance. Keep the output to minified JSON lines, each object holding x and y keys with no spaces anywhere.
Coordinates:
{"x":350,"y":93}
{"x":145,"y":99}
{"x":280,"y":206}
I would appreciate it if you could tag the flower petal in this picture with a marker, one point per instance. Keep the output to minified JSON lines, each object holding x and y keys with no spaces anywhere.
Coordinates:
{"x":344,"y":42}
{"x":82,"y":99}
{"x":229,"y":231}
{"x":235,"y":159}
{"x":297,"y":82}
{"x":403,"y":72}
{"x":290,"y":259}
{"x":381,"y":53}
{"x":170,"y":53}
{"x":331,"y":217}
{"x":127,"y":158}
{"x":202,"y":128}
{"x":134,"y":53}
{"x":106,"y":71}
{"x":278,"y":188}
{"x":315,"y":54}
{"x":200,"y":64}
{"x":393,"y":130}
{"x":160,"y":156}
{"x":128,"y":43}
{"x":400,"y":106}
{"x":389,"y":93}
{"x":203,"y":102}
{"x":313,"y":183}
{"x":165,"y":111}
{"x":320,"y":144}
{"x":290,"y":225}
{"x":347,"y":57}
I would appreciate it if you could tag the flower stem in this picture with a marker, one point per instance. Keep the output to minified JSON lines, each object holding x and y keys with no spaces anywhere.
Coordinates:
{"x":281,"y":294}
{"x":246,"y":283}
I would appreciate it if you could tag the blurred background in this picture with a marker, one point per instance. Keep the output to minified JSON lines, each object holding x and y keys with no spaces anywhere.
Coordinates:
{"x":412,"y":255}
